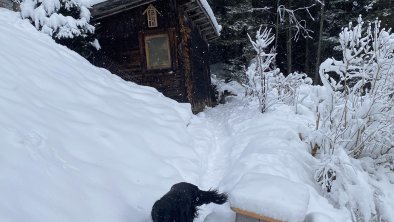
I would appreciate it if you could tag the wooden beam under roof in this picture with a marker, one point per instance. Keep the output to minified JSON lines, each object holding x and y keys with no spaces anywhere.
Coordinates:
{"x":194,"y":8}
{"x":113,"y":7}
{"x":200,"y":18}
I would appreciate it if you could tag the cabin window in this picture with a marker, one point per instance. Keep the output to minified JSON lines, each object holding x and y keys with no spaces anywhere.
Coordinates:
{"x":157,"y":49}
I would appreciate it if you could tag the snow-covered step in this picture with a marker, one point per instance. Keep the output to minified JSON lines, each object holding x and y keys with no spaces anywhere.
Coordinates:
{"x":270,"y":197}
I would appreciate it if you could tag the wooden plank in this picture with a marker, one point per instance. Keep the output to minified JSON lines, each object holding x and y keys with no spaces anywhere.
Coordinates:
{"x":196,"y":15}
{"x":193,"y":8}
{"x":204,"y":26}
{"x":204,"y":19}
{"x":189,"y":4}
{"x":211,"y":38}
{"x":209,"y":34}
{"x":254,"y":215}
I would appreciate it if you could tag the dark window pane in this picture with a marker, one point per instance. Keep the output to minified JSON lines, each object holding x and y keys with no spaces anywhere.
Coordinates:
{"x":157,"y":52}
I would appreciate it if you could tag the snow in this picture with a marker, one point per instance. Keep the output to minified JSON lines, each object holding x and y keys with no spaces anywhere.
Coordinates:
{"x":271,"y":167}
{"x":81,"y":144}
{"x":272,"y":196}
{"x":46,"y":19}
{"x":318,"y":217}
{"x":78,"y":143}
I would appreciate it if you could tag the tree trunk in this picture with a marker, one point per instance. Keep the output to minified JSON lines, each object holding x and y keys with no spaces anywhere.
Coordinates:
{"x":307,"y":68}
{"x":319,"y":44}
{"x":277,"y":24}
{"x":289,"y":42}
{"x":289,"y":46}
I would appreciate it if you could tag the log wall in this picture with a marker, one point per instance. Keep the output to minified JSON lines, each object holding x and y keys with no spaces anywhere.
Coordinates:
{"x":121,"y":37}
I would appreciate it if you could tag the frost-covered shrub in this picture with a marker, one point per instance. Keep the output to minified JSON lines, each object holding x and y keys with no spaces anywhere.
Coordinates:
{"x":355,"y":121}
{"x":347,"y":185}
{"x":67,"y":21}
{"x":265,"y":83}
{"x":357,"y":116}
{"x":260,"y":72}
{"x":287,"y":86}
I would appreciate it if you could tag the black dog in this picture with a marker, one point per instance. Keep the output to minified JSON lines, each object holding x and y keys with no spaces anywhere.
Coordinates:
{"x":181,"y":203}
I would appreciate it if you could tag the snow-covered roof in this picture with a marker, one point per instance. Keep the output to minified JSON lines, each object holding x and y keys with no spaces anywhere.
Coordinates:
{"x":207,"y":10}
{"x":198,"y":11}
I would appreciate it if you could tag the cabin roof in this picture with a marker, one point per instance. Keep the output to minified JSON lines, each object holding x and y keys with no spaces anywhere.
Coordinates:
{"x":197,"y":10}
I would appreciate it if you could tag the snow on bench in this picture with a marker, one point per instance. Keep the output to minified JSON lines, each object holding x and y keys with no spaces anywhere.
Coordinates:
{"x":263,"y":197}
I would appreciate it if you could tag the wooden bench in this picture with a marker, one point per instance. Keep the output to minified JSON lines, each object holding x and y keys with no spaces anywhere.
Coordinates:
{"x":246,"y":216}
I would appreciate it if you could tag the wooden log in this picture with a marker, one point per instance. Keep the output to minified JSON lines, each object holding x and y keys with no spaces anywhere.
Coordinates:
{"x":254,"y":215}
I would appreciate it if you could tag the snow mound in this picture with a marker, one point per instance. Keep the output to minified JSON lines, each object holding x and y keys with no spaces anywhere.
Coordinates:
{"x":271,"y":196}
{"x":78,"y":143}
{"x":270,"y":168}
{"x":318,"y":217}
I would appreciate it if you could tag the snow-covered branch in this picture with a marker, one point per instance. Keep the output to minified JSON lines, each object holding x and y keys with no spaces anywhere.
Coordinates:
{"x":57,"y":17}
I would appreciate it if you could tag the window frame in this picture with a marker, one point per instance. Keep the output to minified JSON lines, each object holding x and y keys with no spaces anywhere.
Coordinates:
{"x":169,"y":33}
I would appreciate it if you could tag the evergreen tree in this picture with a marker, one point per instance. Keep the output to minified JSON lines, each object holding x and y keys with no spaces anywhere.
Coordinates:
{"x":67,"y":21}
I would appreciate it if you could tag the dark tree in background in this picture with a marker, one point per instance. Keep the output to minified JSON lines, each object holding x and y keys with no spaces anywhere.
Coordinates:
{"x":232,"y":51}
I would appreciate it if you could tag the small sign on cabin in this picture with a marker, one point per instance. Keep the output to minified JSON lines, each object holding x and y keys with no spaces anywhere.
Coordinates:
{"x":151,"y":15}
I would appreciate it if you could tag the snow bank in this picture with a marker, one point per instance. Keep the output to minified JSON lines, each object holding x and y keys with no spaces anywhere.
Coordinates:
{"x":268,"y":173}
{"x":272,"y":196}
{"x":78,"y":143}
{"x":271,"y":170}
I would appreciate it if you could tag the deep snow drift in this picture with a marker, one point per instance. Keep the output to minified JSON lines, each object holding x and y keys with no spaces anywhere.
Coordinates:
{"x":78,"y":143}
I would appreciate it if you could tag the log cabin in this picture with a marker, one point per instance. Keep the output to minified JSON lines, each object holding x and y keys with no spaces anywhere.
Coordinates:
{"x":159,"y":43}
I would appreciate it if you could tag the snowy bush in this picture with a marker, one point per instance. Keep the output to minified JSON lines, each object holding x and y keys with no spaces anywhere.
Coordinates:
{"x":265,"y":83}
{"x":358,"y":113}
{"x":67,"y":21}
{"x":356,"y":121}
{"x":287,"y":86}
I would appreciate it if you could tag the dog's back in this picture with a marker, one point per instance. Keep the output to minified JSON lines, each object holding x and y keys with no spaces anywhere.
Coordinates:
{"x":181,"y":203}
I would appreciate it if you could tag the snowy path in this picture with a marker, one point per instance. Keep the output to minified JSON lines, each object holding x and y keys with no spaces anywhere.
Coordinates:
{"x":261,"y":155}
{"x":211,"y":134}
{"x":216,"y":157}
